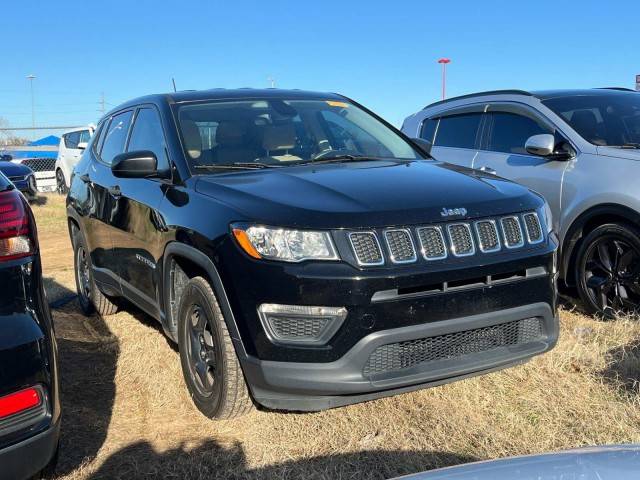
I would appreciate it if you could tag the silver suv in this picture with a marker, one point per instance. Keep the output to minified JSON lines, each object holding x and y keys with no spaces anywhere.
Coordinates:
{"x":578,"y":148}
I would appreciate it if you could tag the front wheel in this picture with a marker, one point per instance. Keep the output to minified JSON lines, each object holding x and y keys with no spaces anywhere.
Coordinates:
{"x":209,"y":363}
{"x":608,"y":269}
{"x":61,"y":184}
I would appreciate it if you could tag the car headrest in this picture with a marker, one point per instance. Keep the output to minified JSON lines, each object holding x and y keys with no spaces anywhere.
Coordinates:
{"x":230,"y":134}
{"x":192,"y":138}
{"x":584,"y":121}
{"x":279,"y":137}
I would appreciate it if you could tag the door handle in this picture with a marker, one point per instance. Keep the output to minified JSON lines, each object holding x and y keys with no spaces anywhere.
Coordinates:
{"x":85,"y":178}
{"x":115,"y":191}
{"x":486,"y":169}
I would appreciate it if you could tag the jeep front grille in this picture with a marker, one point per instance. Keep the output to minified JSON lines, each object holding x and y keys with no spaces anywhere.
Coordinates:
{"x":533,"y":228}
{"x":400,"y":245}
{"x":432,"y":243}
{"x":512,"y":232}
{"x":366,"y":248}
{"x":399,"y":356}
{"x":461,"y":239}
{"x":488,"y":239}
{"x":437,"y":242}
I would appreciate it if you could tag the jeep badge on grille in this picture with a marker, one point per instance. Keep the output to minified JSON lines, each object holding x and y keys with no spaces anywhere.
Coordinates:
{"x":451,"y":212}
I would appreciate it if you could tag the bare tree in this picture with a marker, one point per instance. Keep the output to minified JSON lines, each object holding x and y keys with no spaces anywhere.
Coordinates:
{"x":7,"y":137}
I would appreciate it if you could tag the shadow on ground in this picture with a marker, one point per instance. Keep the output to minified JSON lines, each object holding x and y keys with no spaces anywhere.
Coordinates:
{"x":623,"y":367}
{"x":87,"y":358}
{"x":210,"y":460}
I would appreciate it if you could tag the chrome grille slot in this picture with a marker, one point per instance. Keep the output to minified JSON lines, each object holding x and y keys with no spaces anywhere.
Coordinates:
{"x":420,"y":352}
{"x":512,"y":233}
{"x":400,"y":245}
{"x":432,"y":243}
{"x":461,"y":239}
{"x":532,"y":227}
{"x":488,"y":239}
{"x":366,"y":248}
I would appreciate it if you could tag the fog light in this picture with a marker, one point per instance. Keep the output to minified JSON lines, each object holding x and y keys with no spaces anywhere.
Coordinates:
{"x":299,"y":324}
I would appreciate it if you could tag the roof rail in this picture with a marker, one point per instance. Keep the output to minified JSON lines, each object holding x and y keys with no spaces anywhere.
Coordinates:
{"x":621,"y":89}
{"x":481,"y":94}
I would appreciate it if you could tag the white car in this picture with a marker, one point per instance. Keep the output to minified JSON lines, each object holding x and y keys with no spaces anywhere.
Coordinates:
{"x":43,"y":171}
{"x":72,"y":144}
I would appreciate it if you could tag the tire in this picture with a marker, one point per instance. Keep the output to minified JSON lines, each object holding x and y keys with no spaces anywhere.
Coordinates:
{"x":607,"y":269}
{"x":210,"y":365}
{"x":61,"y":184}
{"x":90,"y":298}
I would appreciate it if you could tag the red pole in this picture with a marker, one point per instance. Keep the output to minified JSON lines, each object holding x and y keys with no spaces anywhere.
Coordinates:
{"x":444,"y":62}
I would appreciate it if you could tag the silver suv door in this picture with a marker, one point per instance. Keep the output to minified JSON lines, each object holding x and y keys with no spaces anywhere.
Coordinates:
{"x":502,"y":152}
{"x":455,"y":136}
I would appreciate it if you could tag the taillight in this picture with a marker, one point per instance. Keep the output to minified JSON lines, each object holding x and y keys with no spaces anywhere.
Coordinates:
{"x":20,"y":401}
{"x":16,"y":239}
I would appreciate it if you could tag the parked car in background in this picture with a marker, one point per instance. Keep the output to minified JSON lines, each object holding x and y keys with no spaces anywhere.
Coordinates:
{"x":303,"y":253}
{"x":29,"y":393}
{"x":21,"y":176}
{"x":578,"y":148}
{"x":43,"y":170}
{"x":72,"y":144}
{"x":611,"y":462}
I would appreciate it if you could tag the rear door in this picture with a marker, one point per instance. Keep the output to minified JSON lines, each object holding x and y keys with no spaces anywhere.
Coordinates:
{"x":137,"y":224}
{"x":502,"y":152}
{"x":455,"y":136}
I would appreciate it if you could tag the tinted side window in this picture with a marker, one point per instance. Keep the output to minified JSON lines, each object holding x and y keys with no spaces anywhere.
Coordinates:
{"x":458,"y":131}
{"x":72,"y":139}
{"x":429,"y":129}
{"x":85,"y":135}
{"x":147,"y":134}
{"x":510,"y":131}
{"x":115,"y":136}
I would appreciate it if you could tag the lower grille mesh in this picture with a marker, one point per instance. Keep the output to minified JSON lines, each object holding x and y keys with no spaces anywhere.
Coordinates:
{"x":407,"y":354}
{"x":292,"y":328}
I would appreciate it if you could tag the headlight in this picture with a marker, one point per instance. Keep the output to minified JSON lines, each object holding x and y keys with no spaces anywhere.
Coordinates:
{"x":284,"y":244}
{"x":545,"y":213}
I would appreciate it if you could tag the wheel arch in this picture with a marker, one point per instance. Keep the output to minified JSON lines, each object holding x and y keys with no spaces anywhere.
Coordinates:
{"x":586,"y":222}
{"x":192,"y":262}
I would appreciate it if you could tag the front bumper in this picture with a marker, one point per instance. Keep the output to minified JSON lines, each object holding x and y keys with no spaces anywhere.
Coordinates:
{"x":316,"y":386}
{"x":25,"y":459}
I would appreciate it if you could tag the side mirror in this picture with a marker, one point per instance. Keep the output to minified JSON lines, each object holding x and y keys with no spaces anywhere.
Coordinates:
{"x":424,"y":145}
{"x":137,"y":164}
{"x":82,"y":145}
{"x":541,"y":145}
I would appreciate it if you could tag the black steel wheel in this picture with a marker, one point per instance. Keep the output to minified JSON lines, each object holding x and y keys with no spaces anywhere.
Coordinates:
{"x":210,"y":366}
{"x":608,"y":270}
{"x":61,"y":185}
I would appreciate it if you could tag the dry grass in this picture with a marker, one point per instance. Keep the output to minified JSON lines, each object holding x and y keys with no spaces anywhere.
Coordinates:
{"x":127,"y":413}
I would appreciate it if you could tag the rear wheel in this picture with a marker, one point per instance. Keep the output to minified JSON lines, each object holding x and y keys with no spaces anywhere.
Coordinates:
{"x":209,"y":363}
{"x":90,"y":298}
{"x":608,"y":269}
{"x":61,"y":184}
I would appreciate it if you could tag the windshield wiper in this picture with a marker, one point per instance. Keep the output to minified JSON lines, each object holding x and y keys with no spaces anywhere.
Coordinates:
{"x":630,"y":145}
{"x":347,"y":157}
{"x":234,"y":166}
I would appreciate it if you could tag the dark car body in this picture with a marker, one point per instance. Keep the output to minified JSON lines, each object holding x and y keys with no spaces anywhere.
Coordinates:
{"x":138,"y":229}
{"x":21,"y":176}
{"x":28,"y":431}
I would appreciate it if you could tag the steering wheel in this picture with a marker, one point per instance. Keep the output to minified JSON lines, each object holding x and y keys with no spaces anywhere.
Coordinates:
{"x":325,"y":153}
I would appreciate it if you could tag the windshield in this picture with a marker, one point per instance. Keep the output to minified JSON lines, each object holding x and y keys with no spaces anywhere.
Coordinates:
{"x":280,"y":132}
{"x":612,"y":120}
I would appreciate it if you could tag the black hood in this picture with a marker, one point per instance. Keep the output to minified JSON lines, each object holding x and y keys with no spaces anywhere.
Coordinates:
{"x":11,"y":169}
{"x":365,"y":194}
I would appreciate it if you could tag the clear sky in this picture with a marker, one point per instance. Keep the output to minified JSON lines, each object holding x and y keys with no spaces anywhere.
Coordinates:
{"x":382,"y":54}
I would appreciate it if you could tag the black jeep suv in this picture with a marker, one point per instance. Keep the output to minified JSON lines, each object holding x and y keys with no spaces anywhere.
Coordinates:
{"x":303,"y":253}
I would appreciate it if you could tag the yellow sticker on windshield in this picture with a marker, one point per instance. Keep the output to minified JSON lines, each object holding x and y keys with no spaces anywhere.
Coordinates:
{"x":335,"y":103}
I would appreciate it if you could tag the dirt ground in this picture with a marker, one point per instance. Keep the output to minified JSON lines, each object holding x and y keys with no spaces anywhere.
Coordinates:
{"x":127,"y":413}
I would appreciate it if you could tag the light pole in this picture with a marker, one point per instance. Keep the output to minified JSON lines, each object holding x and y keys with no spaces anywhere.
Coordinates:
{"x":443,"y":62}
{"x":33,"y":108}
